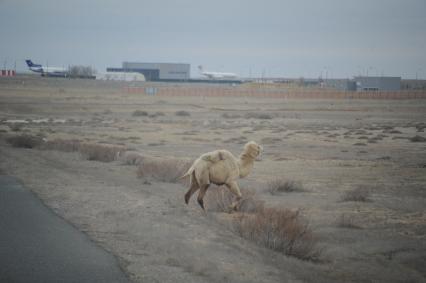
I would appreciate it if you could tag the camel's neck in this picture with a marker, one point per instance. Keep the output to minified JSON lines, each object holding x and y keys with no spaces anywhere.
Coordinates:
{"x":245,"y":164}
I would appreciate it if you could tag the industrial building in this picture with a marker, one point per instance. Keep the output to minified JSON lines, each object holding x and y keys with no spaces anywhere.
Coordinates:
{"x":377,"y":83}
{"x":157,"y":71}
{"x":121,"y":76}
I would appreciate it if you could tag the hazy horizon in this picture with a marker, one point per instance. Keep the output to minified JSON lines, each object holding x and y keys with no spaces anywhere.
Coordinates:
{"x":251,"y":38}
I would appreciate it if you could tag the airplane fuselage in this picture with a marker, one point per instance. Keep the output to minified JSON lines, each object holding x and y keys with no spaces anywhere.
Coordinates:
{"x":47,"y":71}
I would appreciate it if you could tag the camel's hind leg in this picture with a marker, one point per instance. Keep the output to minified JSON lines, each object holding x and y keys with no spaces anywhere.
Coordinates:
{"x":192,"y":189}
{"x":201,"y":194}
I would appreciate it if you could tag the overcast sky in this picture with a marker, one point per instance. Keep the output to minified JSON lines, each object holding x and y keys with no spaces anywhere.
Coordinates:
{"x":340,"y":38}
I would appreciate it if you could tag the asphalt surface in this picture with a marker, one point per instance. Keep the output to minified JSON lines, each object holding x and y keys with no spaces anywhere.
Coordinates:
{"x":38,"y":246}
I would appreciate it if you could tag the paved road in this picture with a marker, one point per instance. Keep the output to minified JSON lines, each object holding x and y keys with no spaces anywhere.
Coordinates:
{"x":38,"y":246}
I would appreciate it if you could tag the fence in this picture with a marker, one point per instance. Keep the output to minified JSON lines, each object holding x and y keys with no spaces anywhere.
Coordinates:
{"x":214,"y":91}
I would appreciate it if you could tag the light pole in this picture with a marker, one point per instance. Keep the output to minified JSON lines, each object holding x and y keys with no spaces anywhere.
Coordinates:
{"x":417,"y":71}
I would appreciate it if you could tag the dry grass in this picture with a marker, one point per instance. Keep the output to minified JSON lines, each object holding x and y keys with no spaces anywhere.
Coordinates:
{"x":281,"y":230}
{"x":230,"y":116}
{"x":25,"y":141}
{"x":418,"y":139}
{"x":220,"y":198}
{"x":163,"y":169}
{"x":89,"y":151}
{"x":358,"y":194}
{"x":182,"y":113}
{"x":16,"y":127}
{"x":131,"y":157}
{"x":283,"y":186}
{"x":257,"y":115}
{"x":62,"y":145}
{"x":138,"y":113}
{"x":101,"y":152}
{"x":347,"y":221}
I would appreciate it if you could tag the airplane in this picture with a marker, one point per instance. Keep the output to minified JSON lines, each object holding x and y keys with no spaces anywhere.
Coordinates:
{"x":217,"y":75}
{"x":47,"y":71}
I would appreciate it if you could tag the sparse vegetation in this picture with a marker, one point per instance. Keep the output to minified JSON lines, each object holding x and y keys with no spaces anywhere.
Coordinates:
{"x":281,"y":230}
{"x":139,"y":113}
{"x":24,"y":141}
{"x":182,"y":113}
{"x":360,"y":194}
{"x":15,"y":127}
{"x":418,"y":139}
{"x":219,"y":199}
{"x":256,"y":115}
{"x":283,"y":186}
{"x":62,"y":145}
{"x":100,"y":152}
{"x":347,"y":221}
{"x":163,"y":169}
{"x":230,"y":116}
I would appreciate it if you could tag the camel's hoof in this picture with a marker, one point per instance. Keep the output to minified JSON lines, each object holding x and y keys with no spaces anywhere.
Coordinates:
{"x":201,"y":203}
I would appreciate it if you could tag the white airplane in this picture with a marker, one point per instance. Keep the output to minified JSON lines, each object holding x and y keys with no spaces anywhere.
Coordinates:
{"x":217,"y":75}
{"x":47,"y":71}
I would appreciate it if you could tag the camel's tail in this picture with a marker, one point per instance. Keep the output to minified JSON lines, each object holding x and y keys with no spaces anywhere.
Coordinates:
{"x":189,"y":172}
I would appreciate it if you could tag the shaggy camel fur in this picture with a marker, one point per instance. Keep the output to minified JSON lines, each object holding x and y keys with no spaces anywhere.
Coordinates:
{"x":221,"y":167}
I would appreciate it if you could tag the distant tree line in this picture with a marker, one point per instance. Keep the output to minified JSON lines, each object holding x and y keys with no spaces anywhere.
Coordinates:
{"x":81,"y":72}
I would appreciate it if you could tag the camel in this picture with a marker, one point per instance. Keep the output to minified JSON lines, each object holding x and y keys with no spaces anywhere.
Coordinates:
{"x":221,"y":167}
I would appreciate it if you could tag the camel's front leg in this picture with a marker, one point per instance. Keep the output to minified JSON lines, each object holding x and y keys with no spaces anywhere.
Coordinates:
{"x":233,"y":187}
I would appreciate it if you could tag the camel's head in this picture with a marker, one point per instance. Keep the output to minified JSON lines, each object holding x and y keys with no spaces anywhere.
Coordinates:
{"x":253,"y":150}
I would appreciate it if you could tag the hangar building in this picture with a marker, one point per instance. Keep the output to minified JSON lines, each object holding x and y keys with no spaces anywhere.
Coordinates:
{"x":157,"y":71}
{"x":378,"y":83}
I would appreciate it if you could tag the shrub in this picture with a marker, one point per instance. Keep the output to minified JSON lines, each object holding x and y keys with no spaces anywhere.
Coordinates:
{"x":281,"y":230}
{"x":418,"y":139}
{"x":62,"y":145}
{"x":255,"y":115}
{"x":283,"y":186}
{"x":358,"y":194}
{"x":182,"y":113}
{"x":100,"y":152}
{"x":347,"y":221}
{"x":230,"y":116}
{"x":138,"y":113}
{"x":24,"y":141}
{"x":163,"y":169}
{"x":16,"y":127}
{"x":220,"y":198}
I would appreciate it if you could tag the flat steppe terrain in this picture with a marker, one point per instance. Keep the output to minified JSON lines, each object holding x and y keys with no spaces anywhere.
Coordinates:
{"x":329,"y":147}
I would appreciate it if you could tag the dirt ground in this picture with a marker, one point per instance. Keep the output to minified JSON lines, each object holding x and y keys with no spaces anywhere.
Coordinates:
{"x":329,"y":146}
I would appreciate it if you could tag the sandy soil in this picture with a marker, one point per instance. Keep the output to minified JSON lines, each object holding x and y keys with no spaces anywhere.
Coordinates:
{"x":330,"y":146}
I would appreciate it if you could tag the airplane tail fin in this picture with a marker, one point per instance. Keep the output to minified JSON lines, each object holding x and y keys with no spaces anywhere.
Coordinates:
{"x":31,"y":64}
{"x":200,"y":67}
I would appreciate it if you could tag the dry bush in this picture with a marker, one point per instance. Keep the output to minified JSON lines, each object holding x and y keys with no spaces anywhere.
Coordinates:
{"x":220,"y":198}
{"x":358,"y":194}
{"x":163,"y":169}
{"x":256,"y":115}
{"x":281,"y":230}
{"x":347,"y":221}
{"x":283,"y":186}
{"x":182,"y":113}
{"x":138,"y":113}
{"x":62,"y":145}
{"x":100,"y":152}
{"x":418,"y":139}
{"x":131,"y":157}
{"x":25,"y":141}
{"x":230,"y":116}
{"x":16,"y":127}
